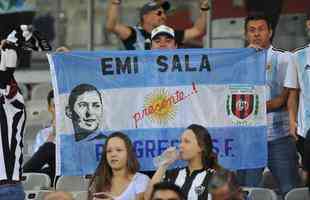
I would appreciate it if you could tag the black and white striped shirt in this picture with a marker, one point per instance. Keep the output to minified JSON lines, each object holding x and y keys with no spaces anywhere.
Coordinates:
{"x":193,"y":186}
{"x":12,"y":123}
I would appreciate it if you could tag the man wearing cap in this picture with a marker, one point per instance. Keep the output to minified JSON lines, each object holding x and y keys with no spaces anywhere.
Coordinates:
{"x":152,"y":14}
{"x":163,"y":37}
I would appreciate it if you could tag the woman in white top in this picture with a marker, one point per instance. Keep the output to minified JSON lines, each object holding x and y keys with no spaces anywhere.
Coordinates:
{"x":117,"y":175}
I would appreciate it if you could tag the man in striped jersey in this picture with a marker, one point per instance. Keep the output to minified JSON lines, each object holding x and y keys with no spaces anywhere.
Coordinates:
{"x":297,"y":80}
{"x":282,"y":153}
{"x":152,"y":14}
{"x":12,"y":123}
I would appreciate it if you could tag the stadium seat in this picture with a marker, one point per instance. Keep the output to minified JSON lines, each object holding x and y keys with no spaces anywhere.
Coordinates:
{"x":30,"y":133}
{"x":260,"y":193}
{"x":40,"y":91}
{"x":24,"y":90}
{"x":37,"y":112}
{"x":232,"y":37}
{"x":298,"y":194}
{"x":72,"y":183}
{"x":36,"y":181}
{"x":36,"y":194}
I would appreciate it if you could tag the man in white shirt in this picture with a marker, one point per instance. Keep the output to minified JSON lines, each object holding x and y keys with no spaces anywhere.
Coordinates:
{"x":297,"y":80}
{"x":282,"y":154}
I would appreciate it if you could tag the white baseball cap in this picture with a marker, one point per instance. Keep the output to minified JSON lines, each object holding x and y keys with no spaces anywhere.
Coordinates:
{"x":162,"y":29}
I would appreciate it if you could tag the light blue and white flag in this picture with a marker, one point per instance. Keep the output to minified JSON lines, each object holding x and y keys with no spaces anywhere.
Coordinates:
{"x":152,"y":96}
{"x":302,"y":57}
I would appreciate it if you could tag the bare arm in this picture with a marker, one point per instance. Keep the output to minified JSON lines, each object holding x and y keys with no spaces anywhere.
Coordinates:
{"x":292,"y":106}
{"x":199,"y":28}
{"x":112,"y":23}
{"x":278,"y":101}
{"x":171,"y":157}
{"x":157,"y":177}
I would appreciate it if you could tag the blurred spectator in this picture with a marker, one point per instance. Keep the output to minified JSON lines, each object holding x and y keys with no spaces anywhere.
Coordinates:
{"x":45,"y":25}
{"x":282,"y":153}
{"x":12,"y":14}
{"x":152,"y":14}
{"x":47,"y":134}
{"x":45,"y":155}
{"x":223,"y":185}
{"x":167,"y":191}
{"x":12,"y":123}
{"x":43,"y":160}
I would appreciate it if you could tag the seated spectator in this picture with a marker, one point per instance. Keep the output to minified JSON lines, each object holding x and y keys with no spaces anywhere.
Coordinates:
{"x":59,"y":195}
{"x":223,"y":185}
{"x":43,"y":160}
{"x":117,"y":176}
{"x":44,"y":156}
{"x":47,"y":134}
{"x":167,"y":191}
{"x":196,"y":149}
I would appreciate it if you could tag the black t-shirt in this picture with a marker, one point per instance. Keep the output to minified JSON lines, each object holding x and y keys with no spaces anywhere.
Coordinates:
{"x":129,"y":43}
{"x":193,"y":186}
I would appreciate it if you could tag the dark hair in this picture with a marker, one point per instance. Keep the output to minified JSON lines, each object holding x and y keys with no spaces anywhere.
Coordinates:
{"x":257,"y":16}
{"x":222,"y":177}
{"x":103,"y":174}
{"x":167,"y":186}
{"x":208,"y":157}
{"x":50,"y":96}
{"x":79,"y":90}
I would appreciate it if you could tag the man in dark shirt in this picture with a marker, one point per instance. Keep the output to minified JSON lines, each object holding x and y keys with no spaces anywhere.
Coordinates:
{"x":152,"y":14}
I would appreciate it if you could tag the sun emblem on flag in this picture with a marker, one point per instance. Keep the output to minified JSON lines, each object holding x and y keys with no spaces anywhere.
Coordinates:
{"x":164,"y":109}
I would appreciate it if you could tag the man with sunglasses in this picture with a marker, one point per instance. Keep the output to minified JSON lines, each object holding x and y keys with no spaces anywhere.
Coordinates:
{"x":223,"y":185}
{"x":152,"y":14}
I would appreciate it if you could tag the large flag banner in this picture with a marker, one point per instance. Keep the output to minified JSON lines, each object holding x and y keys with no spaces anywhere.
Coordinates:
{"x":152,"y":96}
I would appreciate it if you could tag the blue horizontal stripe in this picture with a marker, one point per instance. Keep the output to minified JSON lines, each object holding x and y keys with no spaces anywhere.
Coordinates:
{"x":227,"y":66}
{"x":237,"y":148}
